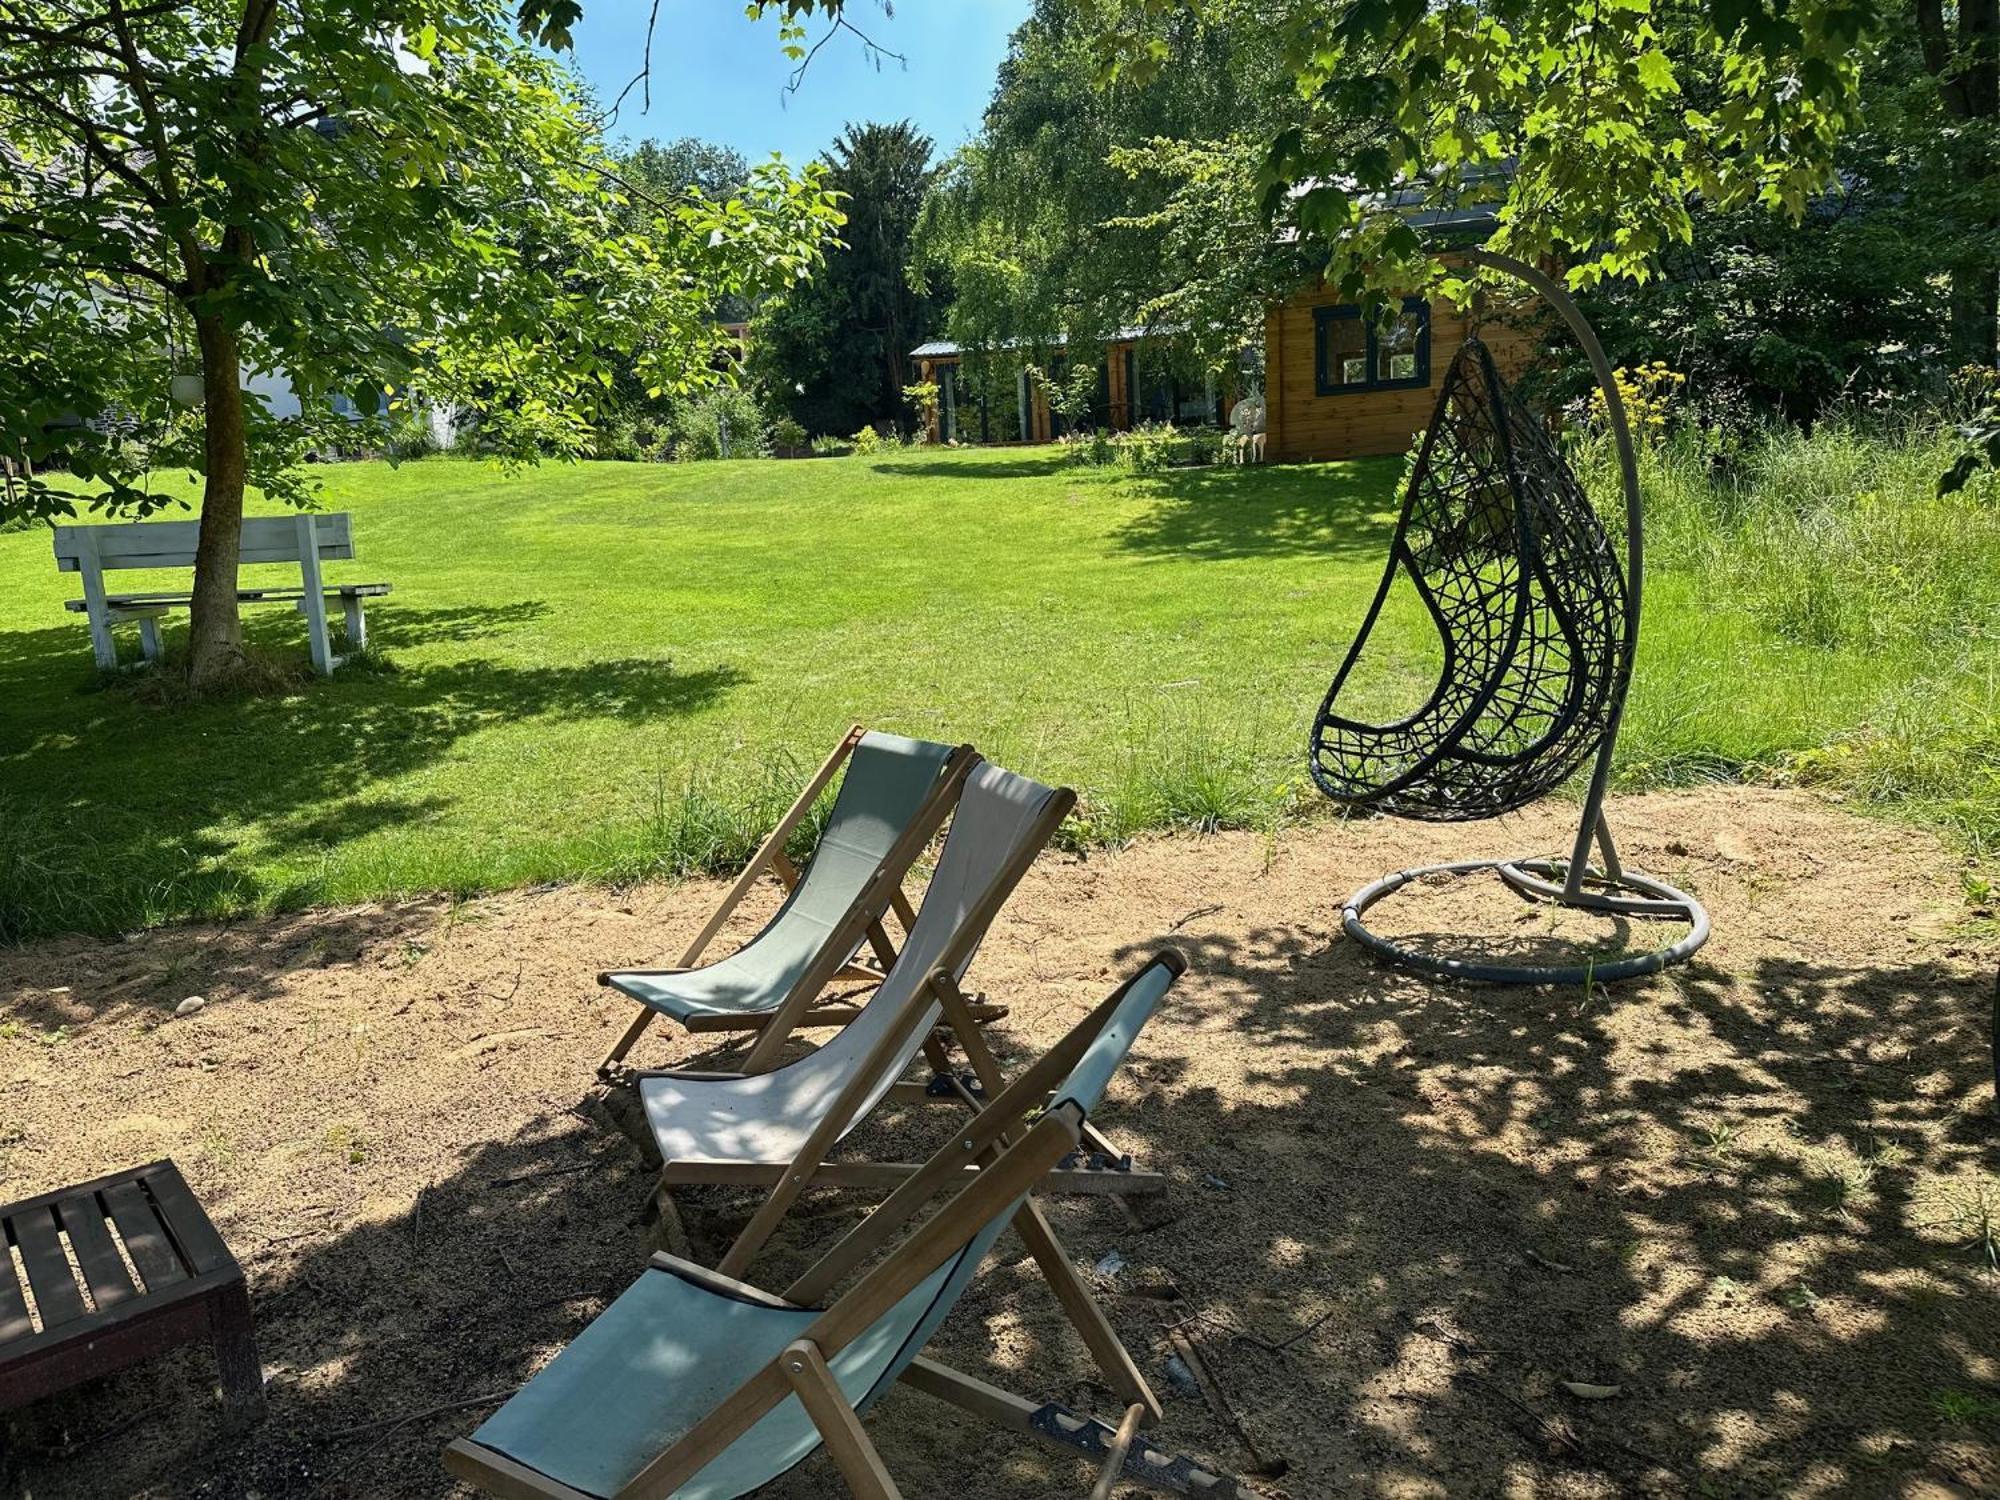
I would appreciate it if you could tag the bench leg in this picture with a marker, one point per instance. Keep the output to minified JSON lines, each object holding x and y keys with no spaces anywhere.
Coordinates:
{"x":102,"y":646}
{"x":313,"y":605}
{"x":236,"y":1358}
{"x":357,"y":623}
{"x":149,"y":637}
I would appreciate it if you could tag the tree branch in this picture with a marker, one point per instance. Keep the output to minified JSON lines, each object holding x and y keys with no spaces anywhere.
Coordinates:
{"x":644,"y":75}
{"x":95,"y":143}
{"x":840,"y":24}
{"x":110,"y":267}
{"x":149,"y":110}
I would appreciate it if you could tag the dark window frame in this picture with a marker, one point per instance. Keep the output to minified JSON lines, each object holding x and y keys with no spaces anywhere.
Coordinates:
{"x":1323,"y":317}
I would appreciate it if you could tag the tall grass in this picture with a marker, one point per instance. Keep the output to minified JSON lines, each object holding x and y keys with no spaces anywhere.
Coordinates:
{"x":1836,"y":573}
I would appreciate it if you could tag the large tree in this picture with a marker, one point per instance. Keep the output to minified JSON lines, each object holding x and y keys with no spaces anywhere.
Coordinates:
{"x":1593,"y":125}
{"x":388,"y":195}
{"x":1049,"y":226}
{"x":1952,"y":128}
{"x":836,"y":347}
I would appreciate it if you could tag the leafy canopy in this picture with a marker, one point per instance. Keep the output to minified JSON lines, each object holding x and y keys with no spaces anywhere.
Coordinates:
{"x":1591,"y":124}
{"x":1060,"y":220}
{"x":393,"y":195}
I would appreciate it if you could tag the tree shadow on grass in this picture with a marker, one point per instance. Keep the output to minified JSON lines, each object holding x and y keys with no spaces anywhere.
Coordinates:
{"x":1338,"y":511}
{"x":119,"y":812}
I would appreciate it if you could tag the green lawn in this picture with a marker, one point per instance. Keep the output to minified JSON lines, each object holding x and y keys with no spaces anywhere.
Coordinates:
{"x":611,"y":670}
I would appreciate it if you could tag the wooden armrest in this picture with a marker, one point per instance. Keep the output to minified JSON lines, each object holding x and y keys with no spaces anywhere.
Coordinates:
{"x":715,"y":1281}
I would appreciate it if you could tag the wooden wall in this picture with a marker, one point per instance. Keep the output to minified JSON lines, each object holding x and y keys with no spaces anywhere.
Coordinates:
{"x":1304,"y":426}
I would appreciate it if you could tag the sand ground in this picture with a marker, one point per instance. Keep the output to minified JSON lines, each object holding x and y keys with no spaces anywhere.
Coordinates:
{"x":1750,"y":1195}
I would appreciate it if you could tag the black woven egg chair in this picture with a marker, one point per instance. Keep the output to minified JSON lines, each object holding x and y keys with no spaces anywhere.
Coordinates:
{"x":1538,"y":623}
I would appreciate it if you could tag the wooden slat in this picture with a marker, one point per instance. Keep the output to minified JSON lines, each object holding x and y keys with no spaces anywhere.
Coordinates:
{"x":171,"y":544}
{"x":57,"y":1299}
{"x":200,"y":1245}
{"x":103,"y":1269}
{"x":14,"y":1323}
{"x":145,"y":1238}
{"x":243,"y":596}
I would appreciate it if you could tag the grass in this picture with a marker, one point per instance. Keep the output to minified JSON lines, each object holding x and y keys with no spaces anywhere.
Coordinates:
{"x":614,"y":671}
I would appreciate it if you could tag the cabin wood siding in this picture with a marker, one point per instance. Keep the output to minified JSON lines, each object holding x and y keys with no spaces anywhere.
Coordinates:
{"x":1304,"y":426}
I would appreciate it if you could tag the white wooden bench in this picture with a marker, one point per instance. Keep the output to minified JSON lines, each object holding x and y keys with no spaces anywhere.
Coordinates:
{"x":303,"y":540}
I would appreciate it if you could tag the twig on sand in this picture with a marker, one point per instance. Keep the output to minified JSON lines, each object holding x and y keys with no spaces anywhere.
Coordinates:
{"x":1200,"y":911}
{"x":520,"y":1177}
{"x":1560,"y":1435}
{"x":1211,"y":1392}
{"x":1281,"y":1346}
{"x":115,"y":1429}
{"x":513,"y":990}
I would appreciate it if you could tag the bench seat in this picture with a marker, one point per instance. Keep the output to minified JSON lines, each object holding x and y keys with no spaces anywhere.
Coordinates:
{"x":244,"y":596}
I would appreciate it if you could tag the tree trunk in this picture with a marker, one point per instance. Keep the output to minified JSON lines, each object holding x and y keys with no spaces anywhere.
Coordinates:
{"x":1975,"y":314}
{"x":1966,"y":65}
{"x":216,"y":631}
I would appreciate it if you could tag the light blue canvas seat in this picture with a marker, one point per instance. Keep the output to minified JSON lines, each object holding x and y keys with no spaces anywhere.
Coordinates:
{"x":680,"y":1342}
{"x":890,"y":780}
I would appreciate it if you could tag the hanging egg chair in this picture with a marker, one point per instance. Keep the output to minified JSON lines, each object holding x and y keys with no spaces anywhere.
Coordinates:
{"x":1537,"y":620}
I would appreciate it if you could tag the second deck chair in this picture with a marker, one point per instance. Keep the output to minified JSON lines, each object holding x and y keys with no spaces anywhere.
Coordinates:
{"x":895,"y":796}
{"x":776,"y":1127}
{"x":696,"y":1386}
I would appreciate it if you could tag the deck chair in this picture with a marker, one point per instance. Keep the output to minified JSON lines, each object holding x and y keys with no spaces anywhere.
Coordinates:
{"x":773,"y":1126}
{"x":896,"y":794}
{"x":696,"y":1386}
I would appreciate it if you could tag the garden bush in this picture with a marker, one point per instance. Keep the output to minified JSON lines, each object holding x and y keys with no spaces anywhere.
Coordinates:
{"x":1149,"y":448}
{"x":727,"y":422}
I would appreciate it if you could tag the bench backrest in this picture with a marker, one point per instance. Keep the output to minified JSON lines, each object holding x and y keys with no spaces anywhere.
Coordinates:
{"x":170,"y":544}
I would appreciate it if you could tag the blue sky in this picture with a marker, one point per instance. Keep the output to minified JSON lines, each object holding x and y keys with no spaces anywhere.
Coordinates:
{"x":719,"y":76}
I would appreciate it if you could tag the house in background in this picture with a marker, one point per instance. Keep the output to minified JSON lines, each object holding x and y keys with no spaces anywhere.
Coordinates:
{"x":1131,"y":389}
{"x":1336,"y":384}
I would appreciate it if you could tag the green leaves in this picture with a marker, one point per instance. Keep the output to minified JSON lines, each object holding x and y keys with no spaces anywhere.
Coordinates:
{"x":1564,"y":118}
{"x":426,"y":205}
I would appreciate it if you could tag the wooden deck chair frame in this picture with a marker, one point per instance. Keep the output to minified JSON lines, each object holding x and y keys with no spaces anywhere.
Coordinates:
{"x":864,"y":918}
{"x":1096,"y":1167}
{"x":786,"y":1180}
{"x":1007,"y":1166}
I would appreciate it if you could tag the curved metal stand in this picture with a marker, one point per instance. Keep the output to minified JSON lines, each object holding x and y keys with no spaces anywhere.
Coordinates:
{"x":1612,"y":888}
{"x":1655,"y":899}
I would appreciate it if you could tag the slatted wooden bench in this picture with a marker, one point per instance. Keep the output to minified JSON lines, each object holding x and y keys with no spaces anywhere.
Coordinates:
{"x":304,"y":540}
{"x":115,"y":1271}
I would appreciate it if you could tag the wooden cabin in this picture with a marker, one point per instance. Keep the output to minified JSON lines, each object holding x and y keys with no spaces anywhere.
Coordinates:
{"x":1128,"y":393}
{"x":1336,"y":385}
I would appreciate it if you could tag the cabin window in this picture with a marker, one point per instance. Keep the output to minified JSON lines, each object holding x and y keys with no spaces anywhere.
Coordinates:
{"x":1352,"y":353}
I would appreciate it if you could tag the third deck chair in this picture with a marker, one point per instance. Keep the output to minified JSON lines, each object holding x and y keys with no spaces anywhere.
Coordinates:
{"x":773,"y":1127}
{"x":896,"y":794}
{"x":695,"y":1386}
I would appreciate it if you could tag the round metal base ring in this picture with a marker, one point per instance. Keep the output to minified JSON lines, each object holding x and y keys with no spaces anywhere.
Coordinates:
{"x":1537,"y":879}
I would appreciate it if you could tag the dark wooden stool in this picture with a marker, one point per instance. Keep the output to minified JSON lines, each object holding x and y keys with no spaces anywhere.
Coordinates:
{"x":91,"y":1316}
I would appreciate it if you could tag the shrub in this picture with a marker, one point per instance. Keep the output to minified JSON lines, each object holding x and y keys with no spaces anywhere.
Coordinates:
{"x":924,"y":397}
{"x":410,"y":436}
{"x":826,"y":445}
{"x":866,"y":441}
{"x":725,"y":422}
{"x":788,"y":438}
{"x":1147,"y":449}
